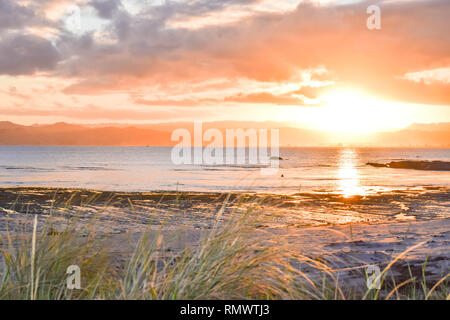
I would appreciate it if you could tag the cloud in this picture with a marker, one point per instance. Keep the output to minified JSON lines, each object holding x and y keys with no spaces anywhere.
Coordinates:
{"x":13,"y":15}
{"x":271,"y":46}
{"x":26,"y":54}
{"x":95,"y":112}
{"x":13,"y":92}
{"x":106,"y":9}
{"x":266,"y":98}
{"x":290,"y":98}
{"x":91,"y":86}
{"x":429,"y":76}
{"x":174,"y":103}
{"x":146,"y":47}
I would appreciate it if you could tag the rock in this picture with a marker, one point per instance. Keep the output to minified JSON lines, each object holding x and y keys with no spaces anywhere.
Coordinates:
{"x":421,"y":165}
{"x":378,"y":165}
{"x":416,"y":165}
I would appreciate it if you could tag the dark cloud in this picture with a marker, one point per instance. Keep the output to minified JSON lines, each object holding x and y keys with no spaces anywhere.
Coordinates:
{"x":26,"y":54}
{"x":13,"y":15}
{"x":106,"y":9}
{"x":191,"y":8}
{"x":17,"y":16}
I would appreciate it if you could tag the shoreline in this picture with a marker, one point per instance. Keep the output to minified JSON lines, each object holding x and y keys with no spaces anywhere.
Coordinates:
{"x":356,"y":240}
{"x":415,"y":203}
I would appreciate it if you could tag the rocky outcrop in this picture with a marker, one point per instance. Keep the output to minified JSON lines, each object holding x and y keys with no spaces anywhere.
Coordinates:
{"x":417,"y":165}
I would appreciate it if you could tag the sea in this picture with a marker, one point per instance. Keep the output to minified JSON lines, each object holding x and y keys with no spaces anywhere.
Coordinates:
{"x":324,"y":170}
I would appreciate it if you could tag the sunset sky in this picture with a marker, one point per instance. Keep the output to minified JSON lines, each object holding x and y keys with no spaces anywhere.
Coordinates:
{"x":314,"y":63}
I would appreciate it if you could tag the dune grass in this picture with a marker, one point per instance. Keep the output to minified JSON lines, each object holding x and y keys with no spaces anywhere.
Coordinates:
{"x":229,"y":262}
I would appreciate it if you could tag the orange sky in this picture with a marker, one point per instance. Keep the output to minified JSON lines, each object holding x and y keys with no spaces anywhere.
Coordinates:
{"x":312,"y":62}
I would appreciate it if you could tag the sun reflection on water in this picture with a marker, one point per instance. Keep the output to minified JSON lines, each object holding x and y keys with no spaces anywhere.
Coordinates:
{"x":348,"y":175}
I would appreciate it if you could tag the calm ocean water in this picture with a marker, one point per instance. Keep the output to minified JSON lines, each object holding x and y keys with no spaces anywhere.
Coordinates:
{"x":341,"y":170}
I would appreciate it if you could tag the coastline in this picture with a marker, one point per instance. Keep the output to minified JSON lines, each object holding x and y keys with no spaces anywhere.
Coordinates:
{"x":348,"y":246}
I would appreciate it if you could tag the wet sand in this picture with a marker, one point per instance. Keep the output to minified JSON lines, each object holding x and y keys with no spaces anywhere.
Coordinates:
{"x":346,"y":233}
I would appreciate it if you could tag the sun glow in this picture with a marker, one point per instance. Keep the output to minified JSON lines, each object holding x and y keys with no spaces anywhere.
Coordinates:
{"x":353,"y":112}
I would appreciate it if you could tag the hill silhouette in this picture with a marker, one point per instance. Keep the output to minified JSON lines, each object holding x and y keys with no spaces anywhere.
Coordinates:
{"x":159,"y":134}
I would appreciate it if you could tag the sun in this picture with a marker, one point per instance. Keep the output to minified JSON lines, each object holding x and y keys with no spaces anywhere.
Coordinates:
{"x":354,"y":112}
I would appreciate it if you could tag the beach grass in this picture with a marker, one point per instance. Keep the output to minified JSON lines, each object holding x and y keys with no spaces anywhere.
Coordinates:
{"x":229,"y":262}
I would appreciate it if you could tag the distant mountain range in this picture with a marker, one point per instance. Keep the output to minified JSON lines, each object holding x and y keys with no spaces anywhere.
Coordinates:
{"x":416,"y":135}
{"x":422,"y":135}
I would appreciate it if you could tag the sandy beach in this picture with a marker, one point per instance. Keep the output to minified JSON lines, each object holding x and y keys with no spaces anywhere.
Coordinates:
{"x":347,"y":234}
